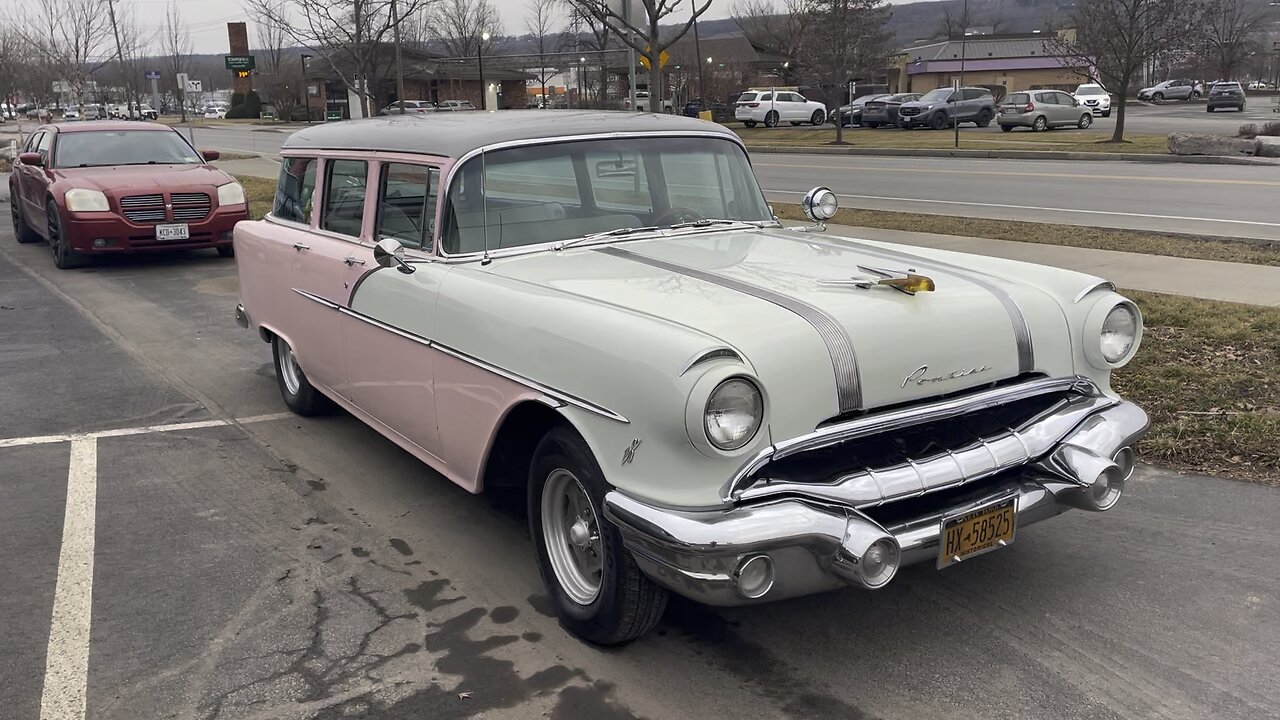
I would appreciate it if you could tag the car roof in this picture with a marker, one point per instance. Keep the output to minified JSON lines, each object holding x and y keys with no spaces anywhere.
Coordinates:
{"x":111,"y":125}
{"x":456,"y":134}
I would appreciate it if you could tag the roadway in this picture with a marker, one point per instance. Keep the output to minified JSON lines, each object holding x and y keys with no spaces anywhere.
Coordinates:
{"x":1218,"y":200}
{"x":175,"y":545}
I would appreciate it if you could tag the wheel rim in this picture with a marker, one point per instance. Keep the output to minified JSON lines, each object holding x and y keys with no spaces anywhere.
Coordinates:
{"x":572,"y":535}
{"x":1040,"y":123}
{"x":55,"y":234}
{"x":289,"y":370}
{"x":1085,"y":121}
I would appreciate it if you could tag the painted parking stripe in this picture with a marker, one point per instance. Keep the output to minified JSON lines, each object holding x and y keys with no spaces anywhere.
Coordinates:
{"x":143,"y":430}
{"x":1044,"y":209}
{"x":66,"y":671}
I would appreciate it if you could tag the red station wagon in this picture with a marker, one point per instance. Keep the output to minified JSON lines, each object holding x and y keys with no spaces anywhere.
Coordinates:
{"x":112,"y":187}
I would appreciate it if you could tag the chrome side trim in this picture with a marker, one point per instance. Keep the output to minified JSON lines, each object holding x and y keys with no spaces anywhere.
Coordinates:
{"x":286,"y":223}
{"x":899,"y":419}
{"x":844,"y":361}
{"x":708,"y":354}
{"x":1099,"y":285}
{"x":1021,"y":331}
{"x":560,"y":395}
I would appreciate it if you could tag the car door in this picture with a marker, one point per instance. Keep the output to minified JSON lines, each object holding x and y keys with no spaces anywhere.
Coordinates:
{"x":390,"y":376}
{"x":1071,"y":108}
{"x":24,"y":176}
{"x":327,"y":263}
{"x":37,"y":181}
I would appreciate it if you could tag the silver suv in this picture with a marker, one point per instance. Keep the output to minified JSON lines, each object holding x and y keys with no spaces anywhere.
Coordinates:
{"x":1170,"y":90}
{"x":935,"y":108}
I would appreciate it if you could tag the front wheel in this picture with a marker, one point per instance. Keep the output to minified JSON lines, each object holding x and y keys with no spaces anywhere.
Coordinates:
{"x":598,"y":591}
{"x":1006,"y":128}
{"x":1157,"y":98}
{"x":1085,"y":121}
{"x":938,"y":121}
{"x":226,"y":251}
{"x":771,"y":119}
{"x":1106,"y":113}
{"x":818,"y":117}
{"x":749,"y":123}
{"x":64,"y":258}
{"x":299,"y":394}
{"x":796,"y":123}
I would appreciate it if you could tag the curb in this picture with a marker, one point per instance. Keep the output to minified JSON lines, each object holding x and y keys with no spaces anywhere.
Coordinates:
{"x":1012,"y":155}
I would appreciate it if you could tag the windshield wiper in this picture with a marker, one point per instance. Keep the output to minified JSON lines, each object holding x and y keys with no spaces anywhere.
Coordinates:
{"x":707,"y":222}
{"x":617,"y":232}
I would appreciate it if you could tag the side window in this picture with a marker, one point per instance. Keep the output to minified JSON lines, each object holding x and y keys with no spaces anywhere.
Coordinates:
{"x":407,"y":204}
{"x":46,"y":141}
{"x":294,"y":190}
{"x":765,"y":97}
{"x":973,"y":94}
{"x":32,"y":142}
{"x":1065,"y":99}
{"x":344,"y":191}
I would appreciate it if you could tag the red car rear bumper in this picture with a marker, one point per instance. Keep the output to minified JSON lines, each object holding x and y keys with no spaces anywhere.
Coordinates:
{"x":100,"y":232}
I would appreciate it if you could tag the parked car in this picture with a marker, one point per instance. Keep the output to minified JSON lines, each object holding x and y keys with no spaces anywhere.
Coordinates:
{"x":510,"y":302}
{"x":216,"y":111}
{"x":1096,"y":98}
{"x":1261,"y":85}
{"x":851,"y":114}
{"x":936,"y":108}
{"x":884,"y":110}
{"x":119,"y":187}
{"x":1226,"y":94}
{"x":643,"y":105}
{"x":772,"y":107}
{"x":720,"y":112}
{"x":1170,"y":90}
{"x":71,"y":113}
{"x":455,"y":105}
{"x":1043,"y":110}
{"x":410,"y":107}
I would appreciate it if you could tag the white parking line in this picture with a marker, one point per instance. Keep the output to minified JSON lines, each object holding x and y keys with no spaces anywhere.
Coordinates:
{"x":66,"y":670}
{"x":1044,"y":209}
{"x":144,"y":430}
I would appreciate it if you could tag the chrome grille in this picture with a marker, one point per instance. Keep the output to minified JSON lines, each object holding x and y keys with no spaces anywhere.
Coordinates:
{"x":189,"y":206}
{"x":909,"y":111}
{"x":143,"y":208}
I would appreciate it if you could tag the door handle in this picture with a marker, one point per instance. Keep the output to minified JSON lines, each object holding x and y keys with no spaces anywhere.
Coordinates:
{"x":351,"y":260}
{"x":301,"y":246}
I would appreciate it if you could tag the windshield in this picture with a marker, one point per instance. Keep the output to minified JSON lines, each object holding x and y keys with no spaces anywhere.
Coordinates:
{"x":551,"y":193}
{"x":939,"y":95}
{"x":123,"y":147}
{"x":1089,"y":90}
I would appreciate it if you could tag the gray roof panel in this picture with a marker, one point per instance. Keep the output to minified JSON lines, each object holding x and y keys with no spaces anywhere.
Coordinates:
{"x":454,"y":134}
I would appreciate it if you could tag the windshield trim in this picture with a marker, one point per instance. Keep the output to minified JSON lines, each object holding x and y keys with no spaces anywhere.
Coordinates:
{"x":456,"y":166}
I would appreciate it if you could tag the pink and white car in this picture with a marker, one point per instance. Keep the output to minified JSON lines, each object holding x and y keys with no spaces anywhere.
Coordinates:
{"x":600,"y":310}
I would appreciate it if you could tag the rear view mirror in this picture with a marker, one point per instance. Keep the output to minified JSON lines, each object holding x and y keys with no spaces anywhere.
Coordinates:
{"x":210,"y":155}
{"x":617,"y":168}
{"x":389,"y":252}
{"x":31,"y":158}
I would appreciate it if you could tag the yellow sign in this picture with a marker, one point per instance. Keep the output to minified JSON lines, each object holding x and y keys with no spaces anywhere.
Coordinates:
{"x":663,"y":57}
{"x":243,"y":73}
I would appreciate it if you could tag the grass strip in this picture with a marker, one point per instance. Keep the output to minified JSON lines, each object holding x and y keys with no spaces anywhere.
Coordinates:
{"x":1197,"y":247}
{"x":1058,"y":140}
{"x":261,"y":193}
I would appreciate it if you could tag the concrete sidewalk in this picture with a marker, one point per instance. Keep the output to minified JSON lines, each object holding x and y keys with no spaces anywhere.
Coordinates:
{"x":1209,"y":279}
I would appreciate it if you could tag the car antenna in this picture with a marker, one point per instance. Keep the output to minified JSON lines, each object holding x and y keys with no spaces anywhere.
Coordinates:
{"x":484,"y":211}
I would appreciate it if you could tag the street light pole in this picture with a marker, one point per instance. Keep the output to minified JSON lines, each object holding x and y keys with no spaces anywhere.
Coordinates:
{"x":306,"y":87}
{"x":484,"y":89}
{"x":702,"y":82}
{"x":395,"y":18}
{"x":964,"y":37}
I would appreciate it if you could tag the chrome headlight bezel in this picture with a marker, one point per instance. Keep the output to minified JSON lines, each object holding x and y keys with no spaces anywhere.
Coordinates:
{"x":701,"y":395}
{"x":86,"y":200}
{"x":231,"y":193}
{"x":820,"y":204}
{"x":1093,"y":332}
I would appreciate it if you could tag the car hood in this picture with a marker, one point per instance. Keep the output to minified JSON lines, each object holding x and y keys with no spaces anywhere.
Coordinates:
{"x":122,"y":180}
{"x":834,"y":348}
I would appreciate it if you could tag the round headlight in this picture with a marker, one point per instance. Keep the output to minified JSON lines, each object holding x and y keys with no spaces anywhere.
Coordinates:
{"x":820,"y":204}
{"x":733,"y":413}
{"x":1119,"y":330}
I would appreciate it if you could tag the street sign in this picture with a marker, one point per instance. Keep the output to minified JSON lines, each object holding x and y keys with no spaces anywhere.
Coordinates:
{"x":182,"y":79}
{"x":193,"y":86}
{"x":663,"y":57}
{"x":239,"y":62}
{"x":152,"y":74}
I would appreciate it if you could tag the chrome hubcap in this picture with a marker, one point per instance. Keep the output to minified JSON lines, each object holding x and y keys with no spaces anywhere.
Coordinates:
{"x":572,"y":535}
{"x":289,"y":370}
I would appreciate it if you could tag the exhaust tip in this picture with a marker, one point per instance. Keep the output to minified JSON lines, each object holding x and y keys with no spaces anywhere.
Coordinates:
{"x":1125,"y":459}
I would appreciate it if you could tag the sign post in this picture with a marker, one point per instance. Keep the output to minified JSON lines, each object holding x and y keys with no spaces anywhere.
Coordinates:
{"x":154,"y":77}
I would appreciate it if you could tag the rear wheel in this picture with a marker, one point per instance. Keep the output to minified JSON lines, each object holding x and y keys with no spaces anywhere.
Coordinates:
{"x":771,"y":119}
{"x":749,"y":123}
{"x":984,"y":118}
{"x":64,"y":258}
{"x":1006,"y":128}
{"x":598,"y":591}
{"x":21,"y":230}
{"x":817,"y":118}
{"x":299,"y":394}
{"x":796,"y":123}
{"x":1085,"y":121}
{"x":1039,"y":124}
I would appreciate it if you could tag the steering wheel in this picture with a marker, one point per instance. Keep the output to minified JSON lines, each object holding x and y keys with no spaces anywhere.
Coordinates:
{"x":675,"y":216}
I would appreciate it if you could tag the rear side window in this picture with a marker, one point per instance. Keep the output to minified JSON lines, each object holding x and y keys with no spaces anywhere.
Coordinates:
{"x":344,"y":191}
{"x":407,"y":204}
{"x":293,"y":192}
{"x":746,"y":97}
{"x":766,"y":96}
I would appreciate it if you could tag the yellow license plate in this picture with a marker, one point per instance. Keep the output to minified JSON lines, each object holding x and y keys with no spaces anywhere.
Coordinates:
{"x":977,"y":531}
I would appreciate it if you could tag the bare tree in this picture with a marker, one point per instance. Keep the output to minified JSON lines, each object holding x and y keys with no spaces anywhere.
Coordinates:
{"x":588,"y":32}
{"x":70,"y":38}
{"x":547,"y":41}
{"x":778,"y":30}
{"x":350,"y":35}
{"x":175,"y":51}
{"x":13,"y":64}
{"x":956,"y":23}
{"x":459,"y":26}
{"x":1233,"y":33}
{"x":1112,"y":40}
{"x":644,"y":35}
{"x":282,"y":82}
{"x":847,"y":40}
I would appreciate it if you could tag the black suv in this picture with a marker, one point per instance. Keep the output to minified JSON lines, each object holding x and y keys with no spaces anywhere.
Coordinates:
{"x":934,"y":109}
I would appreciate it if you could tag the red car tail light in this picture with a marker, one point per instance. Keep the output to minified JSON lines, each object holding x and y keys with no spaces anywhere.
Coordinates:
{"x":753,"y":104}
{"x":1029,"y":108}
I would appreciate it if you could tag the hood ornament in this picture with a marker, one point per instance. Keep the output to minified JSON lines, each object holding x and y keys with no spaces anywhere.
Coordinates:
{"x":906,"y":281}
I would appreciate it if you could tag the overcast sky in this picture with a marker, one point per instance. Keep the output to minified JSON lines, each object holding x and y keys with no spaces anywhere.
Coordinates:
{"x":208,"y":18}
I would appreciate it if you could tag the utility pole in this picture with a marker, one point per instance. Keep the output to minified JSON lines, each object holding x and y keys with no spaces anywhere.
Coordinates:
{"x":395,"y":18}
{"x":124,"y":72}
{"x":964,"y":38}
{"x":702,"y":83}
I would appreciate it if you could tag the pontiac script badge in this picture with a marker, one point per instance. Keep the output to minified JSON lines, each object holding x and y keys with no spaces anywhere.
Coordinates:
{"x":920,"y":375}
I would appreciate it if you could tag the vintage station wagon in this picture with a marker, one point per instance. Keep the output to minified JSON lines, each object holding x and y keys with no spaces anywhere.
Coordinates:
{"x":600,"y":309}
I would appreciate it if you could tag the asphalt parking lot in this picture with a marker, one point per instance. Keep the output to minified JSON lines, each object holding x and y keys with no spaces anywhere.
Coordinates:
{"x":175,"y":546}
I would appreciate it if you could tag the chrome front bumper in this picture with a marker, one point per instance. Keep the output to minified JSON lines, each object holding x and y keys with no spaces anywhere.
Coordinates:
{"x":817,"y":542}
